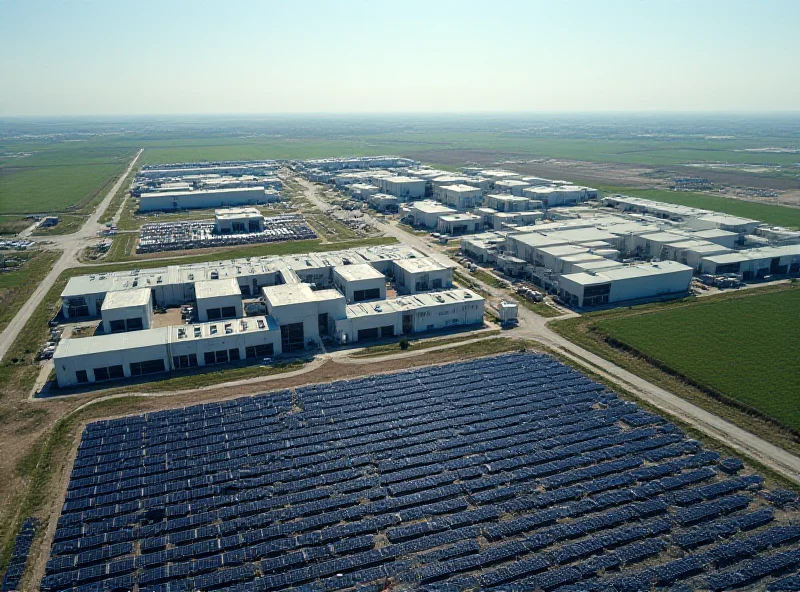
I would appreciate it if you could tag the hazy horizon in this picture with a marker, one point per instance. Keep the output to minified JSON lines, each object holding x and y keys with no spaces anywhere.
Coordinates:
{"x":251,"y":58}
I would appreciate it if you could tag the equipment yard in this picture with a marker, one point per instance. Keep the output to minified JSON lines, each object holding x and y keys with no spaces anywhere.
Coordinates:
{"x":507,"y":470}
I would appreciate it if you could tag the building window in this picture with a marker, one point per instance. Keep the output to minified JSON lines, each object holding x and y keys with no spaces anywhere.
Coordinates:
{"x":81,"y":376}
{"x":147,"y":367}
{"x":437,"y":284}
{"x":135,"y":324}
{"x":101,"y":374}
{"x":117,"y":326}
{"x":180,"y":362}
{"x":209,"y":358}
{"x":222,"y":356}
{"x":116,"y":371}
{"x":259,"y":351}
{"x":228,"y":312}
{"x":234,"y":355}
{"x":213,"y":314}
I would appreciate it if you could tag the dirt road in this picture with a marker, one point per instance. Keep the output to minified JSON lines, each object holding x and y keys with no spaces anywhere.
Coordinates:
{"x":71,"y":244}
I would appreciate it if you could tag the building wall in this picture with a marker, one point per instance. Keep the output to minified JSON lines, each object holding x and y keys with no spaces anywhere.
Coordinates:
{"x":66,"y":368}
{"x":349,"y":288}
{"x":404,"y":189}
{"x":450,"y":227}
{"x":166,"y":202}
{"x":144,"y":313}
{"x":204,"y":304}
{"x":407,"y":282}
{"x":448,"y":315}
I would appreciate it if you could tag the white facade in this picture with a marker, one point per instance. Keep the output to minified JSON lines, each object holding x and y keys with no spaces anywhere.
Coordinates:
{"x":205,"y":198}
{"x":404,"y":187}
{"x":421,"y":275}
{"x":458,"y":224}
{"x":385,"y":203}
{"x":304,"y":315}
{"x":512,"y":186}
{"x":153,"y":351}
{"x":510,"y":203}
{"x":460,"y":197}
{"x":620,"y":284}
{"x":427,"y":213}
{"x":238,"y":220}
{"x":755,"y":263}
{"x":410,"y":314}
{"x":131,"y":310}
{"x":218,"y":299}
{"x":359,"y":283}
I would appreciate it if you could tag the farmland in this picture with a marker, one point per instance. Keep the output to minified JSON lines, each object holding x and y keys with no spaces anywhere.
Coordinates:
{"x":771,"y":214}
{"x":17,"y":286}
{"x":740,"y":348}
{"x":57,"y":177}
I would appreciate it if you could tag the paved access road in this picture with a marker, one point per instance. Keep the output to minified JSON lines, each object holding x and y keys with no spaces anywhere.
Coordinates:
{"x":72,"y":245}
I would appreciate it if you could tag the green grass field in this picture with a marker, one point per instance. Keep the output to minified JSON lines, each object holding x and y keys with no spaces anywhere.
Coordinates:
{"x":17,"y":286}
{"x":771,"y":214}
{"x":743,"y":348}
{"x":13,"y":224}
{"x":57,"y":176}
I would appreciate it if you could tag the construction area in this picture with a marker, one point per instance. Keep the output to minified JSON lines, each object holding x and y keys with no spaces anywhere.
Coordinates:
{"x":506,"y":471}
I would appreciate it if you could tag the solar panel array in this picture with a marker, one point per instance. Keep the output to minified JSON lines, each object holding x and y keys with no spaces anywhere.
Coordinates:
{"x":508,"y":471}
{"x":19,"y":555}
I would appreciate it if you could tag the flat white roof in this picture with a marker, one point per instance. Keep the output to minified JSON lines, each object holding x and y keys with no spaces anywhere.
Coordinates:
{"x":728,"y":220}
{"x":235,"y":213}
{"x":756,"y":254}
{"x":112,"y":342}
{"x":126,"y":298}
{"x":216,"y":191}
{"x":216,"y":288}
{"x":460,"y":218}
{"x":289,"y":294}
{"x":431,"y":207}
{"x":354,"y":273}
{"x":458,"y":188}
{"x":412,"y":302}
{"x":627,"y":272}
{"x":214,"y":329}
{"x":421,"y":265}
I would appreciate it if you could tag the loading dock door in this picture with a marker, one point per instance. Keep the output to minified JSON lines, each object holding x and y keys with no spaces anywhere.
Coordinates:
{"x":408,"y":323}
{"x":292,"y":337}
{"x":366,"y":334}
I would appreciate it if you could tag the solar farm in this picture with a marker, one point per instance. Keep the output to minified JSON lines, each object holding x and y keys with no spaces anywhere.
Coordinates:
{"x":511,"y":472}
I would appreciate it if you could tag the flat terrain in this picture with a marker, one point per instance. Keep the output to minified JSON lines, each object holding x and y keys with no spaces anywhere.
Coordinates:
{"x":409,"y":479}
{"x":16,"y":286}
{"x":742,"y":348}
{"x":57,"y":177}
{"x":769,"y":213}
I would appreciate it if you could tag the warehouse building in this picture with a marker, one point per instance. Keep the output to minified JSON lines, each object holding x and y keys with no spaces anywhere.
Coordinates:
{"x":238,"y":220}
{"x":622,"y":284}
{"x":386,"y":204}
{"x":206,"y":198}
{"x":422,"y":275}
{"x":426,"y":213}
{"x":130,"y":310}
{"x":163,"y":349}
{"x":564,"y":195}
{"x":236,"y":168}
{"x":303,"y":315}
{"x":218,"y":299}
{"x":460,"y":197}
{"x":458,"y":224}
{"x":448,"y":179}
{"x":405,"y":188}
{"x":510,"y":203}
{"x":362,"y":191}
{"x":360,"y":282}
{"x":410,"y":314}
{"x":484,"y":247}
{"x":504,"y":220}
{"x":755,"y":263}
{"x":512,"y":186}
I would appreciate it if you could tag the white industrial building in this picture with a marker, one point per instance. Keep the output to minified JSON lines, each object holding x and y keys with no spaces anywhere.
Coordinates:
{"x":218,"y":299}
{"x":384,"y":203}
{"x":755,"y":263}
{"x":458,"y":224}
{"x":238,"y":220}
{"x":360,"y":282}
{"x":303,"y":315}
{"x":130,"y":310}
{"x":406,"y":188}
{"x":503,"y":220}
{"x":622,"y":284}
{"x":563,"y":195}
{"x":238,"y":168}
{"x":410,"y":314}
{"x":206,"y":198}
{"x":460,"y":197}
{"x":510,"y":203}
{"x":164,"y":349}
{"x":426,"y":213}
{"x":421,"y":275}
{"x":512,"y":186}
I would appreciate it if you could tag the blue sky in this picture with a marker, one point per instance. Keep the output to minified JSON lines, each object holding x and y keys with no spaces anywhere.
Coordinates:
{"x":171,"y":57}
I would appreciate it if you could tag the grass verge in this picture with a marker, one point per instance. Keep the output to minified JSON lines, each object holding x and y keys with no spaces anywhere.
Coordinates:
{"x":540,"y":308}
{"x":418,"y":344}
{"x":17,"y":286}
{"x":583,"y":331}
